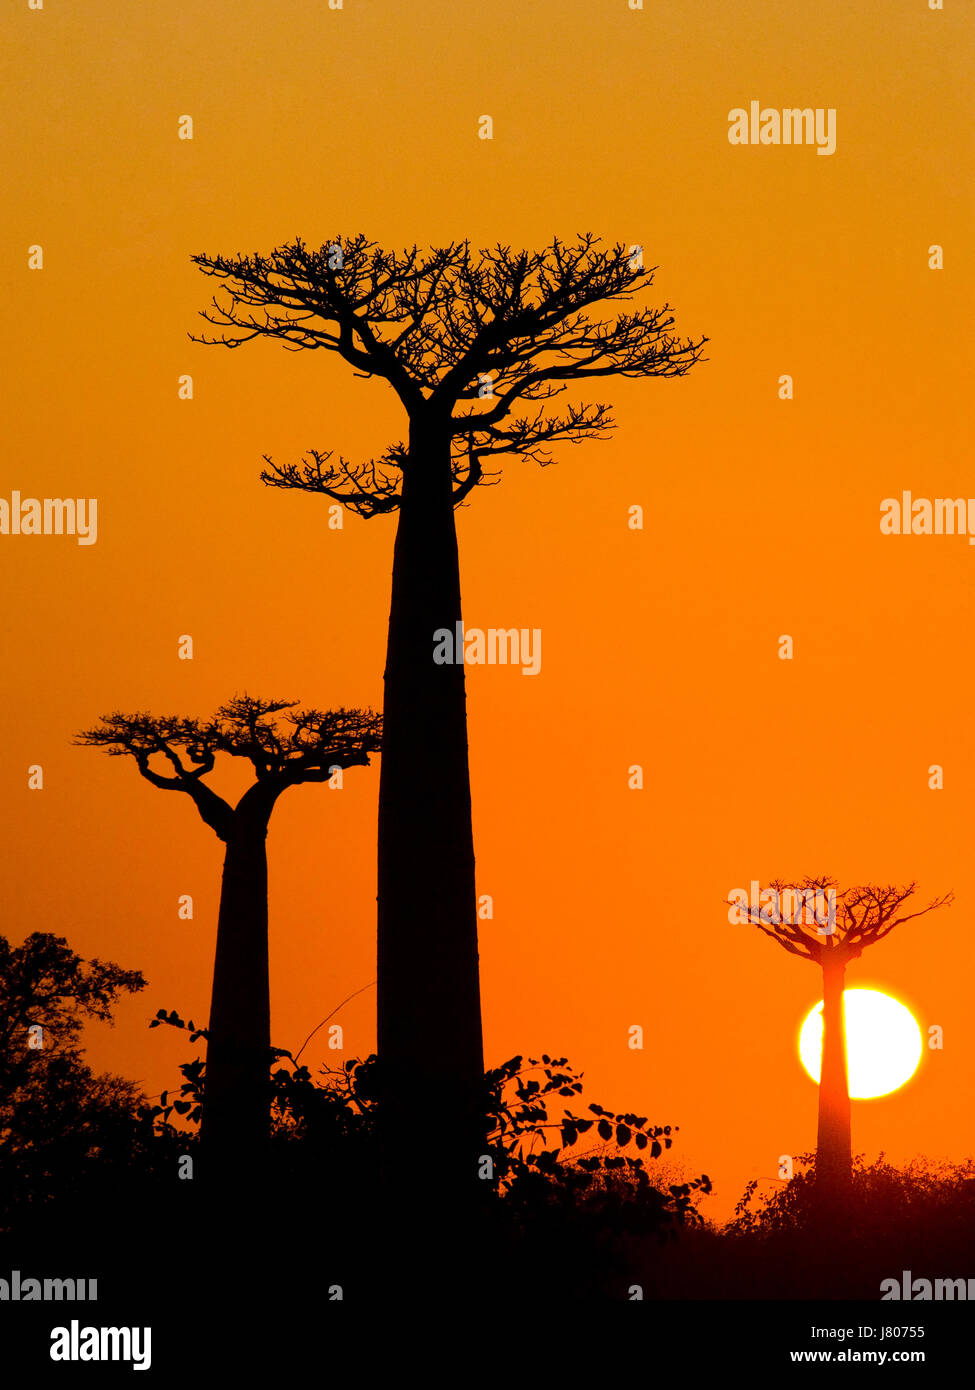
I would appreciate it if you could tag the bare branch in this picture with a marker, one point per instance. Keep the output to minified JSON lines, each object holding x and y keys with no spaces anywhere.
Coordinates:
{"x":858,"y":917}
{"x":437,"y":325}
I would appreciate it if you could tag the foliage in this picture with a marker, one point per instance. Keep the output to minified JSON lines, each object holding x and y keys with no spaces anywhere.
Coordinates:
{"x":533,"y":1150}
{"x":58,"y":1119}
{"x":531,"y":1147}
{"x":883,"y":1195}
{"x":47,"y":994}
{"x":44,"y":982}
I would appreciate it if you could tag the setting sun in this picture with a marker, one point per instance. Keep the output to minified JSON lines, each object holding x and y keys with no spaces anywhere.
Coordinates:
{"x":882,"y":1037}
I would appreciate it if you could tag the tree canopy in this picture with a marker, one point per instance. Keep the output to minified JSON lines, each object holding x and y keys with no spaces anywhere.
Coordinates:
{"x":306,"y":746}
{"x":465,"y":338}
{"x":857,"y":918}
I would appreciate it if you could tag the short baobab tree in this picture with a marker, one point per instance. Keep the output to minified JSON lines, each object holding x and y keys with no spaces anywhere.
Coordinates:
{"x":177,"y":754}
{"x":820,"y":923}
{"x":476,"y":345}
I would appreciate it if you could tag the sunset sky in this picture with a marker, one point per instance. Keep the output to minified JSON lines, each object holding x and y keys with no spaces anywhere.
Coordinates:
{"x":659,"y":647}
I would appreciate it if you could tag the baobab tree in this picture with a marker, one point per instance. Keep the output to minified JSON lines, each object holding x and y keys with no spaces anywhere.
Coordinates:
{"x":815,"y":920}
{"x":475,"y":345}
{"x":177,"y":754}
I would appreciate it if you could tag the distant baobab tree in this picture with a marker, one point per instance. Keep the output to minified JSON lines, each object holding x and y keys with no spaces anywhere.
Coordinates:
{"x":307,"y":746}
{"x":815,"y":920}
{"x":465,"y":339}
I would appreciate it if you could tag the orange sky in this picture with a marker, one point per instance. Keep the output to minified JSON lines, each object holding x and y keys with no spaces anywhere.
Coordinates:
{"x":659,"y":647}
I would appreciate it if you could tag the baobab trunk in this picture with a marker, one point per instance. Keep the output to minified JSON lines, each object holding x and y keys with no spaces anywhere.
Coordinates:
{"x":429,"y":1024}
{"x":235,"y":1121}
{"x":834,"y":1159}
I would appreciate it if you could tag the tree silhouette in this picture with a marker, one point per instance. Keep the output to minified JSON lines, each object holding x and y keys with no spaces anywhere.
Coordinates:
{"x":466,"y":340}
{"x":815,"y":920}
{"x":55,"y":1113}
{"x":308,"y":746}
{"x":46,"y":986}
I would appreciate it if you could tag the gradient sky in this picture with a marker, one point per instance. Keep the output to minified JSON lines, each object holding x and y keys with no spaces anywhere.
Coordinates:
{"x":659,"y":647}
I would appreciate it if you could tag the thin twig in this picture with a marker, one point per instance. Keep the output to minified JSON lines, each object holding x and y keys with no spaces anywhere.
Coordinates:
{"x":328,"y":1016}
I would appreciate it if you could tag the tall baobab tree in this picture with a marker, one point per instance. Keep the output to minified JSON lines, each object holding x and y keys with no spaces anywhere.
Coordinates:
{"x":476,"y":345}
{"x":177,"y":754}
{"x":815,"y":920}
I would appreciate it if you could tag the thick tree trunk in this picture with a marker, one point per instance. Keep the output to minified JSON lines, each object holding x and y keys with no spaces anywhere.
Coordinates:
{"x":834,"y":1159}
{"x":430,"y":1044}
{"x":235,"y":1118}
